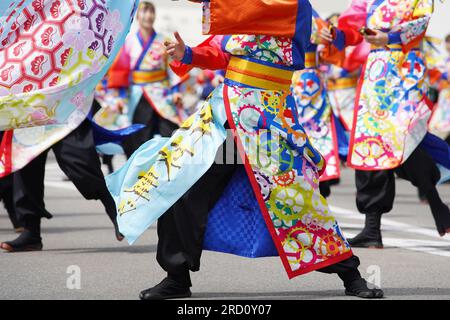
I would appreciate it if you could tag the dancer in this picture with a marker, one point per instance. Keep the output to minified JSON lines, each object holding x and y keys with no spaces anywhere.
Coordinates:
{"x":391,"y":110}
{"x":177,"y":181}
{"x":314,"y":108}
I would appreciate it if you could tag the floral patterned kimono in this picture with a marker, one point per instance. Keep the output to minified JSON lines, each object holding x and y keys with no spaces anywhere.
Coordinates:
{"x":142,"y":67}
{"x":313,"y":105}
{"x":282,"y":165}
{"x":52,"y":55}
{"x":392,"y":109}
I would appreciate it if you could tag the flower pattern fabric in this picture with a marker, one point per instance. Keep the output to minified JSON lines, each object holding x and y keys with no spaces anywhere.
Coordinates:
{"x":46,"y":50}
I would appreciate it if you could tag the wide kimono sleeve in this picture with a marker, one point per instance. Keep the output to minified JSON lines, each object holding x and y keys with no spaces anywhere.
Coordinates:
{"x":262,"y":17}
{"x":207,"y":55}
{"x":410,"y":33}
{"x":349,"y":24}
{"x":277,"y":18}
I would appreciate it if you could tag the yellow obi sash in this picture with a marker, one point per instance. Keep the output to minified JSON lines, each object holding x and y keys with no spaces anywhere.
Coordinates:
{"x":258,"y":75}
{"x":144,"y":77}
{"x":342,"y":83}
{"x":310,"y":60}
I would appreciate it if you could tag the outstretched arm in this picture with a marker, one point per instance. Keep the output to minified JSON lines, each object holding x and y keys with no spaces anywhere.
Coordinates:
{"x":207,"y":55}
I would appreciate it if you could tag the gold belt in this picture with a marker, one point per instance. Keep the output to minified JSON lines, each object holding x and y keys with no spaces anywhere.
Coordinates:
{"x":258,"y":75}
{"x":343,"y":83}
{"x":310,"y":60}
{"x":143,"y":77}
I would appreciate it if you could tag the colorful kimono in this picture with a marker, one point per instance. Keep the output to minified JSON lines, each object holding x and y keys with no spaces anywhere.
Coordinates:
{"x":392,"y":109}
{"x":142,"y":67}
{"x":440,"y":120}
{"x":313,"y":105}
{"x":341,"y":88}
{"x":282,"y":165}
{"x":342,"y":81}
{"x":52,"y":55}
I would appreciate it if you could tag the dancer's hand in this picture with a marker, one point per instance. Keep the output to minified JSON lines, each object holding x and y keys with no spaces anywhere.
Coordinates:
{"x":325,"y":35}
{"x":175,"y":49}
{"x":380,"y":39}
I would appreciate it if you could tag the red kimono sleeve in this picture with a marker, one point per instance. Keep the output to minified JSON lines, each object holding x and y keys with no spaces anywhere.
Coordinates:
{"x":119,"y":73}
{"x":207,"y":55}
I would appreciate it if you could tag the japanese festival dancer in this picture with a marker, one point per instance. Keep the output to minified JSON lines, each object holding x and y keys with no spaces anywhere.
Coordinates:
{"x":341,"y":73}
{"x":314,"y":108}
{"x":177,"y":180}
{"x":141,"y":82}
{"x":389,"y":130}
{"x":52,"y":55}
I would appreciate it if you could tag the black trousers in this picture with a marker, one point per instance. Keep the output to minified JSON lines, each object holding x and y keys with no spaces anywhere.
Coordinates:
{"x":376,"y":189}
{"x":181,"y":229}
{"x":77,"y":157}
{"x":6,"y":195}
{"x":155,"y":124}
{"x":325,"y":187}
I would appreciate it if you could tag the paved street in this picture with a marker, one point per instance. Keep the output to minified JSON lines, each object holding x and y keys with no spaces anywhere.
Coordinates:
{"x":414,"y":264}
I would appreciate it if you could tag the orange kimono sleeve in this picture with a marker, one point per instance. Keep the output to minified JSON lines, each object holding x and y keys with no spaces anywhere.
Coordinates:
{"x":262,"y":17}
{"x":347,"y":33}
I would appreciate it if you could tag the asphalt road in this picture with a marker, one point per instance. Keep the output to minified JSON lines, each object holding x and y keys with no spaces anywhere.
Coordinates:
{"x":80,"y":240}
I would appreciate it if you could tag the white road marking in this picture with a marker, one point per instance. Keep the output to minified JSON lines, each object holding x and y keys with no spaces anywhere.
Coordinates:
{"x":385,"y":222}
{"x":426,"y":246}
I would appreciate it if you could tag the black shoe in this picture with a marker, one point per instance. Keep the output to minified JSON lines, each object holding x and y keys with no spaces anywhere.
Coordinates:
{"x":166,"y":289}
{"x":119,"y":236}
{"x":362,"y":240}
{"x":370,"y":236}
{"x":25,"y":242}
{"x":358,"y":288}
